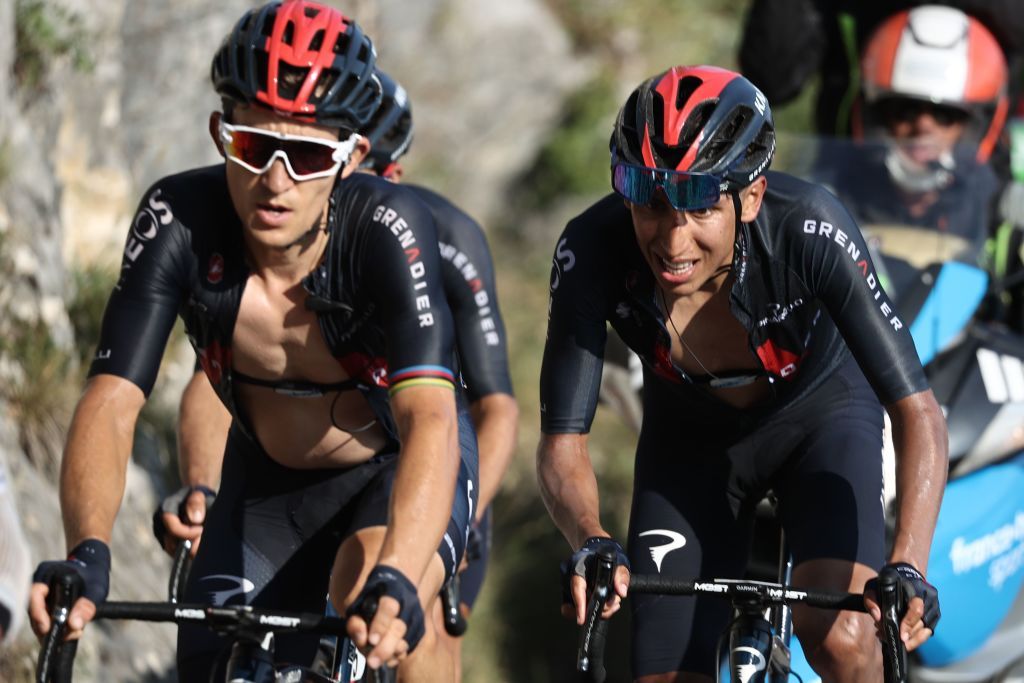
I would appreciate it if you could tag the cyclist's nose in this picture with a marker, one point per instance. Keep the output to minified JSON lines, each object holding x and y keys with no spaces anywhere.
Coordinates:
{"x":276,"y":177}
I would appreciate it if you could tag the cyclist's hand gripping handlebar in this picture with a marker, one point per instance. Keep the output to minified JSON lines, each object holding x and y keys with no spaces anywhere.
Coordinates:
{"x":56,"y":657}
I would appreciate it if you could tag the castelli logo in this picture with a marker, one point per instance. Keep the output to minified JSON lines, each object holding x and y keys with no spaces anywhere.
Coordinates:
{"x":215,"y":271}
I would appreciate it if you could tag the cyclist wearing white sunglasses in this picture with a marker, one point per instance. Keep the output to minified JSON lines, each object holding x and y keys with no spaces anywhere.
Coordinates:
{"x":291,"y":273}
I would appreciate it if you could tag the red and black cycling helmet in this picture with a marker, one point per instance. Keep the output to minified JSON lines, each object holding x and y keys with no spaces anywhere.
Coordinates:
{"x":390,"y":130}
{"x":301,"y":59}
{"x":697,"y":119}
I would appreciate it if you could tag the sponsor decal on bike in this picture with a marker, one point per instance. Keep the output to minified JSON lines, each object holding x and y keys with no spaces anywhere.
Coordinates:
{"x":842,"y":238}
{"x":399,"y":227}
{"x":242,"y":586}
{"x":658,"y":552}
{"x":778,"y":593}
{"x":276,"y":620}
{"x":748,"y":669}
{"x":710,"y":588}
{"x":194,"y":614}
{"x":562,"y":263}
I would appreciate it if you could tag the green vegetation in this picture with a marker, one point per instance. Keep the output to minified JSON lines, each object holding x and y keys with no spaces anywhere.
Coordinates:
{"x":91,"y":287}
{"x":45,"y":31}
{"x":39,"y":381}
{"x":575,"y":160}
{"x":6,"y":161}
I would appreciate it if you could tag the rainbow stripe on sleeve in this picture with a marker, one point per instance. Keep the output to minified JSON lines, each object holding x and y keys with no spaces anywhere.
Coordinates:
{"x":420,"y":375}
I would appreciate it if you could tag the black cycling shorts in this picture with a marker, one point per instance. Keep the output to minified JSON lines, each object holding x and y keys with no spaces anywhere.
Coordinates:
{"x":697,"y":483}
{"x":271,"y":538}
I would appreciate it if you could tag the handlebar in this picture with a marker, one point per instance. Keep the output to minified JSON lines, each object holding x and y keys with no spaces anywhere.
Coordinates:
{"x":590,"y":652}
{"x":180,"y":567}
{"x":56,"y":658}
{"x":454,"y":623}
{"x":893,"y":604}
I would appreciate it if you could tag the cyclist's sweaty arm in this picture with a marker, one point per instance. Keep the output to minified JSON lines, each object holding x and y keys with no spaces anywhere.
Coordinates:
{"x":569,"y":385}
{"x":837,"y":267}
{"x":404,"y":278}
{"x":203,"y":424}
{"x":922,"y":461}
{"x":472,"y":293}
{"x":496,"y":418}
{"x":136,"y":324}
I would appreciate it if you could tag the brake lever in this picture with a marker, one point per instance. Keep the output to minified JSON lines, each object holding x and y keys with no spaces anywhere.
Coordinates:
{"x":56,"y":657}
{"x":180,"y":567}
{"x":590,"y":653}
{"x":893,"y":604}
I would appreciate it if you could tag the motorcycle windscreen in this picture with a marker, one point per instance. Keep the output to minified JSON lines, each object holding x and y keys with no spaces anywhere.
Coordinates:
{"x":949,"y":306}
{"x":977,"y":559}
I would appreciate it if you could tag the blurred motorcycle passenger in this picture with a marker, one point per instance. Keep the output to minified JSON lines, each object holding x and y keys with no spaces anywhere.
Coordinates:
{"x":934,"y":86}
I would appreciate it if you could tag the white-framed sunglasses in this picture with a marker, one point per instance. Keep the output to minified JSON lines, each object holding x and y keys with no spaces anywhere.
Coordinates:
{"x":305,"y":158}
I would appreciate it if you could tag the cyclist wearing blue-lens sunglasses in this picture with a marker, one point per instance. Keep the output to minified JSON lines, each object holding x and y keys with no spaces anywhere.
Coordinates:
{"x":769,"y":350}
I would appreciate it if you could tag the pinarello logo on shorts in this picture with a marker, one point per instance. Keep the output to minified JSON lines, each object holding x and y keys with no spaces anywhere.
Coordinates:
{"x":215,"y":271}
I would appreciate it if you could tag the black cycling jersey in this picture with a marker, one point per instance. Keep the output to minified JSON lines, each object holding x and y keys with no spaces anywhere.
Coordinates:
{"x":380,"y":279}
{"x":468,"y":273}
{"x":804,"y":289}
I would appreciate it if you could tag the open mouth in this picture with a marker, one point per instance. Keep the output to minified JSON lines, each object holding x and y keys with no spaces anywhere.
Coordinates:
{"x":677,"y":267}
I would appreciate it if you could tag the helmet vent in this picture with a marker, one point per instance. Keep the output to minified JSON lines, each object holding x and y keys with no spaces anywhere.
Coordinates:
{"x":341,"y":44}
{"x":288,"y":36}
{"x":756,"y":151}
{"x":671,"y":156}
{"x":261,"y":58}
{"x":318,"y":40}
{"x":726,"y":135}
{"x":324,"y":84}
{"x":289,"y":80}
{"x":687,"y":86}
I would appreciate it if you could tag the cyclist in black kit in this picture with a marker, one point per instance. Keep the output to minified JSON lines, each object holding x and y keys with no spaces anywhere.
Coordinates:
{"x":768,"y":346}
{"x":294,"y":276}
{"x":469,"y":283}
{"x":467,"y":272}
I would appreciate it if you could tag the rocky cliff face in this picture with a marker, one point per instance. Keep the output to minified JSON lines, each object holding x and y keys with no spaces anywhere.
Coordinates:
{"x":78,"y":147}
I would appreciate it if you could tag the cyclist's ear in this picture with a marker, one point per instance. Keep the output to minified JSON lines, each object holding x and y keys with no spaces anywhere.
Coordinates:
{"x":215,"y":117}
{"x":362,"y":148}
{"x":751,"y":197}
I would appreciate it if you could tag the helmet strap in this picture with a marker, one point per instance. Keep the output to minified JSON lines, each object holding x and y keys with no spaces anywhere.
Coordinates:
{"x":319,"y":224}
{"x":738,"y":209}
